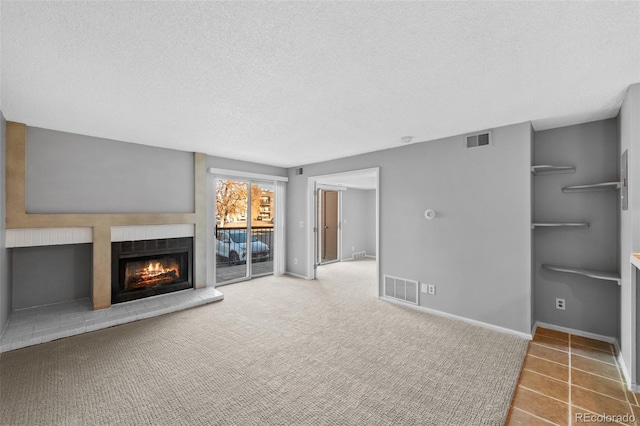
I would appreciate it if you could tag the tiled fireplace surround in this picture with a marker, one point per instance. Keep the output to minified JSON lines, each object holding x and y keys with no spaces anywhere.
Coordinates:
{"x":24,"y":229}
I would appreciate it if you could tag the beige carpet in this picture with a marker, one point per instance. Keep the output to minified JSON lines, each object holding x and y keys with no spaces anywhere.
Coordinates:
{"x":280,"y":351}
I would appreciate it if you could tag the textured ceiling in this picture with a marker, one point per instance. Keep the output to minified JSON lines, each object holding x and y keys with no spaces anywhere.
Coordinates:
{"x":291,"y":83}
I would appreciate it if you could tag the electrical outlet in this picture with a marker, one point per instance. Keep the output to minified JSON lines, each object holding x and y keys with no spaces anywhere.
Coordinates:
{"x":353,"y":248}
{"x":561,"y":304}
{"x":428,"y":289}
{"x":295,"y":261}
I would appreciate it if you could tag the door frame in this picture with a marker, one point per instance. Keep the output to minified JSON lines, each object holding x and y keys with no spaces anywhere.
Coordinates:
{"x":318,"y":223}
{"x":247,"y":269}
{"x":313,"y":182}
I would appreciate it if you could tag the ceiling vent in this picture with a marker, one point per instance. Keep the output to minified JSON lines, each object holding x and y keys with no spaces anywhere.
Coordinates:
{"x":478,"y":140}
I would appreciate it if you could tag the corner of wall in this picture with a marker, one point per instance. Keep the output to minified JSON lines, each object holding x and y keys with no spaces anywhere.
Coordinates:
{"x":5,"y":282}
{"x":592,"y":306}
{"x":628,"y":126}
{"x":532,"y":279}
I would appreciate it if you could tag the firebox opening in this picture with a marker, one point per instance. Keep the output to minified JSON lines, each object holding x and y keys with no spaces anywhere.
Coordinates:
{"x":158,"y":270}
{"x":150,"y":267}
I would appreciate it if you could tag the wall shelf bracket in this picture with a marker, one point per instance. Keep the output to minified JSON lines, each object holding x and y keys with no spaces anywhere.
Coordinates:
{"x":559,"y":225}
{"x":599,"y":275}
{"x":605,"y":186}
{"x":547,"y":169}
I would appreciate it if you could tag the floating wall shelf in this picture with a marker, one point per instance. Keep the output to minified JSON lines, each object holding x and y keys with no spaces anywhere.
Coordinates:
{"x":546,"y":169}
{"x":600,"y":275}
{"x":559,"y":225}
{"x":606,"y":186}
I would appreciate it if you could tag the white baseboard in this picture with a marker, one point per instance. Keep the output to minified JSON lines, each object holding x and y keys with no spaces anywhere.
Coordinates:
{"x":625,"y":372}
{"x":372,"y":256}
{"x":297,"y":275}
{"x":580,"y":333}
{"x":349,"y":259}
{"x":463,"y":319}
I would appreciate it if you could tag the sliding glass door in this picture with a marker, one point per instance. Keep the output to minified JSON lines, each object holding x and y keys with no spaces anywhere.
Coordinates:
{"x":244,"y":229}
{"x":262,"y":220}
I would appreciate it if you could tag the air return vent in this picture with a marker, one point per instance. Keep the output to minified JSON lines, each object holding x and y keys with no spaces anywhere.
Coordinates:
{"x":478,"y":140}
{"x":401,"y":289}
{"x":359,"y":255}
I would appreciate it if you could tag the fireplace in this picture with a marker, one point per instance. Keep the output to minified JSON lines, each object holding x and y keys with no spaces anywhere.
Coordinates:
{"x":150,"y":267}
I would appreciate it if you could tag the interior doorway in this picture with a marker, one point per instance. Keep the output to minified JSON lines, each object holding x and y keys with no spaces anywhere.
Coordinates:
{"x":328,"y":223}
{"x":362,"y":218}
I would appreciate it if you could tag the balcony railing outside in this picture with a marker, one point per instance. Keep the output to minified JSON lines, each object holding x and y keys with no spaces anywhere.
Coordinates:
{"x":233,"y":240}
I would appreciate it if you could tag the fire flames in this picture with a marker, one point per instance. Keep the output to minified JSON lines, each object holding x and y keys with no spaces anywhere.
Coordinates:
{"x":143,"y":274}
{"x":153,"y":269}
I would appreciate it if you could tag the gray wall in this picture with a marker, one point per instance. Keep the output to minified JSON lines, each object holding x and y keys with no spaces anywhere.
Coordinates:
{"x":591,"y":304}
{"x":370,"y":224}
{"x":70,"y":173}
{"x":50,"y":274}
{"x":5,"y":283}
{"x":629,"y":139}
{"x":477,"y":251}
{"x":358,"y":222}
{"x":244,"y":166}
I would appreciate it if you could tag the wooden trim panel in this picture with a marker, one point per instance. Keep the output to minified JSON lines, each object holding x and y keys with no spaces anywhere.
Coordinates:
{"x":15,"y":160}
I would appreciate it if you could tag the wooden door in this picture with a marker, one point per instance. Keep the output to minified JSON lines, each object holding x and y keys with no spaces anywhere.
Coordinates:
{"x":329,"y":225}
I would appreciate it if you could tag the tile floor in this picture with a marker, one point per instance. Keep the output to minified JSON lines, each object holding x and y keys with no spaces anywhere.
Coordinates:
{"x":27,"y":327}
{"x":569,"y":380}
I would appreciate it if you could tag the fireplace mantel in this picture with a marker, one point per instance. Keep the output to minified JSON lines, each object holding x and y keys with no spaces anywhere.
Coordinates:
{"x":37,"y":237}
{"x":20,"y":223}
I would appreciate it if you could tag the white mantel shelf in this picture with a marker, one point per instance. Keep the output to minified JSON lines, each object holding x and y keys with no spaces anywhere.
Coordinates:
{"x":151,"y":232}
{"x":36,"y":237}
